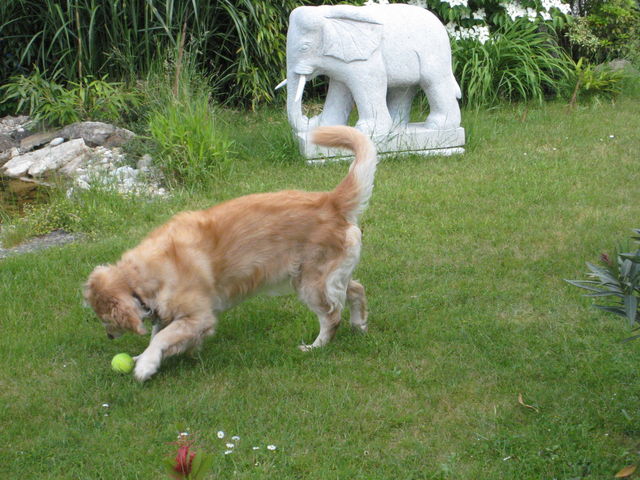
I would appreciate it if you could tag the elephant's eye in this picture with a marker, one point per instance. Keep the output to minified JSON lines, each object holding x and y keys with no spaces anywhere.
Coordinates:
{"x":305,"y":47}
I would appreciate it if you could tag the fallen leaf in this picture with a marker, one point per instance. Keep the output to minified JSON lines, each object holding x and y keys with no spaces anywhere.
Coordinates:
{"x":626,"y":471}
{"x":521,"y":402}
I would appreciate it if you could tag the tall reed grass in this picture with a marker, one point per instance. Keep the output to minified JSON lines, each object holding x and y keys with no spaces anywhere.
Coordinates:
{"x":186,"y":132}
{"x":241,"y":43}
{"x":519,"y":62}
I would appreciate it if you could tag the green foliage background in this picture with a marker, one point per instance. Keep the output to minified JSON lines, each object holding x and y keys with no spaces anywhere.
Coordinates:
{"x":240,"y":42}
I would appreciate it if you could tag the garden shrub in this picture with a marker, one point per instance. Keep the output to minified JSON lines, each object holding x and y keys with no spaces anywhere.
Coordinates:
{"x":606,"y":30}
{"x":58,"y":105}
{"x":518,"y":62}
{"x":587,"y":80}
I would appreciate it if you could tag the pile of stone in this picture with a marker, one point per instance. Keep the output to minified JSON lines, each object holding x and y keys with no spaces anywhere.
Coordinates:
{"x":87,"y":153}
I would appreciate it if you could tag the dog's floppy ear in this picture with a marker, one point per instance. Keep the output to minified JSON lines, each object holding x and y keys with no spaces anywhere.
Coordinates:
{"x":111,"y":297}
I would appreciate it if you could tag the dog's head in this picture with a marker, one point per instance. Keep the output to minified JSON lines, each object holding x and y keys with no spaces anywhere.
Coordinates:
{"x":110,"y":296}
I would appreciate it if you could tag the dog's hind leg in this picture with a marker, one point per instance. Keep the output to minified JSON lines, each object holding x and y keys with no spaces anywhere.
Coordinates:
{"x":329,"y":323}
{"x":326,"y":292}
{"x":358,"y":305}
{"x":183,"y":334}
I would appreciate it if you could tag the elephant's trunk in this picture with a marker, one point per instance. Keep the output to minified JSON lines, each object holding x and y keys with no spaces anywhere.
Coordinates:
{"x":295,"y":88}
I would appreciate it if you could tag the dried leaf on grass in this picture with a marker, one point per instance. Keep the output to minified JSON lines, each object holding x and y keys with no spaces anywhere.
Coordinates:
{"x":626,"y":471}
{"x":521,"y":402}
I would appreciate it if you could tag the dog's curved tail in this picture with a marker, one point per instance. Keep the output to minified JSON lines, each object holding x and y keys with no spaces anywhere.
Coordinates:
{"x":352,"y":195}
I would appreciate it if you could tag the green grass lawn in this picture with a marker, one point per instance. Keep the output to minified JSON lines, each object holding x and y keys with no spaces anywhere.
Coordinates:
{"x":464,"y":260}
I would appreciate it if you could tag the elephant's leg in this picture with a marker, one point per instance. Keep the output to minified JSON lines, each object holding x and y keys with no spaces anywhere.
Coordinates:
{"x":444,"y":111}
{"x":370,"y":95}
{"x":399,"y":101}
{"x":337,"y":106}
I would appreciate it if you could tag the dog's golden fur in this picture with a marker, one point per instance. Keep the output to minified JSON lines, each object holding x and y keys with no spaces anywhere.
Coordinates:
{"x":201,"y":263}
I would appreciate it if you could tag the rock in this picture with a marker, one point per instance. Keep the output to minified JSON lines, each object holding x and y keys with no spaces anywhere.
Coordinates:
{"x":11,"y":124}
{"x":619,"y":64}
{"x":36,"y":140}
{"x":119,"y":138}
{"x":7,"y":142}
{"x":8,"y":155}
{"x":70,"y":168}
{"x":97,"y":133}
{"x":47,"y":158}
{"x":56,"y":141}
{"x":145,"y":163}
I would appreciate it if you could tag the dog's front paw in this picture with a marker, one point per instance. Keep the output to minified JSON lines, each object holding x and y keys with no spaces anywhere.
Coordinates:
{"x":305,"y":348}
{"x":360,"y":328}
{"x":145,"y":367}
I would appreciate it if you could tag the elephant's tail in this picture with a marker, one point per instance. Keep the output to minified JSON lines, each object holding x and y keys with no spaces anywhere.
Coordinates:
{"x":352,"y":195}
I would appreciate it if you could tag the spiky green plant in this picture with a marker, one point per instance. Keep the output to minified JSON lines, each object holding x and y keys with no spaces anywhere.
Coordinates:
{"x":617,"y":278}
{"x":519,"y":62}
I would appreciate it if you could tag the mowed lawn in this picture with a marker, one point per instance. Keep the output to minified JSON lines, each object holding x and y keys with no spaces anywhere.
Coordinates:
{"x":463,"y":261}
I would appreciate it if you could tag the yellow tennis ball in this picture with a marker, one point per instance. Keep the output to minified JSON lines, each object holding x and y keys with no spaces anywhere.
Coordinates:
{"x":122,"y":363}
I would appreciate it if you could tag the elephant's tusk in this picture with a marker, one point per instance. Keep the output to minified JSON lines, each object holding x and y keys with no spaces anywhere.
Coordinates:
{"x":301,"y":82}
{"x":281,"y":84}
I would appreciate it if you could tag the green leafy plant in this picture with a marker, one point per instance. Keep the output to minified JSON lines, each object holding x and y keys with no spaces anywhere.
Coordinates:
{"x":606,"y":30}
{"x":618,"y":279}
{"x":182,"y":121}
{"x":599,"y":80}
{"x":56,"y":104}
{"x":519,"y":62}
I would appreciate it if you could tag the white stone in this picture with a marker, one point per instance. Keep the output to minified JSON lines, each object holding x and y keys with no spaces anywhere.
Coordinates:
{"x":376,"y":58}
{"x":48,"y":158}
{"x":145,"y":162}
{"x":56,"y":141}
{"x":125,"y":173}
{"x":9,"y":154}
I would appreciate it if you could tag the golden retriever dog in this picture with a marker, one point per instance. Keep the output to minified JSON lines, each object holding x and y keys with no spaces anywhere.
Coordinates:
{"x":187,"y":272}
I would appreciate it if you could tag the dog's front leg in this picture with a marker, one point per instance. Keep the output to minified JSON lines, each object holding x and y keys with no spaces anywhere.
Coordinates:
{"x":180,"y":335}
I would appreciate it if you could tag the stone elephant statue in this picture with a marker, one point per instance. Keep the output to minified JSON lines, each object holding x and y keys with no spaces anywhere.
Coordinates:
{"x":375,"y":56}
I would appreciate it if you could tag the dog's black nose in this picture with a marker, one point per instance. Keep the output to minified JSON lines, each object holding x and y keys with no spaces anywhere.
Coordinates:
{"x":110,"y":337}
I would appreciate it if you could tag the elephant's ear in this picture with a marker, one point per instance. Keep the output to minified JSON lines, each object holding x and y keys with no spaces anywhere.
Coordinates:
{"x":349,"y":37}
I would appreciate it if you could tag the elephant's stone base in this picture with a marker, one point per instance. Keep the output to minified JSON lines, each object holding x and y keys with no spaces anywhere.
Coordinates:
{"x":415,"y":139}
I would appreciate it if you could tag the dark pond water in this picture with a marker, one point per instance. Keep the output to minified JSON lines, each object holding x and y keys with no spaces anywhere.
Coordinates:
{"x":16,"y":194}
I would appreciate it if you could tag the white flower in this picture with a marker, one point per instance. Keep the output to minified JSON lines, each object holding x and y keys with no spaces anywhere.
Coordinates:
{"x":271,"y":447}
{"x":229,"y":445}
{"x":255,"y":448}
{"x":220,"y":434}
{"x":531,"y":14}
{"x":547,"y":5}
{"x":515,"y":10}
{"x":565,"y":8}
{"x":479,"y":14}
{"x":479,"y":33}
{"x":235,"y":438}
{"x":457,"y":3}
{"x":545,"y":16}
{"x":227,"y":452}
